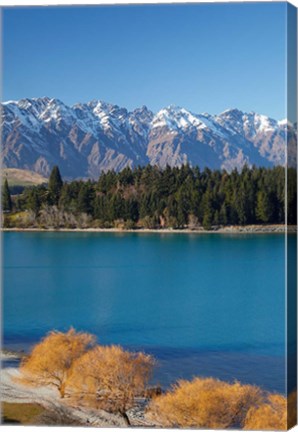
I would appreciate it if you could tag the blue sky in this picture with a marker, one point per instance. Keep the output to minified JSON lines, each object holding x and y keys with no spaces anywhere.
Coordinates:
{"x":205,"y":57}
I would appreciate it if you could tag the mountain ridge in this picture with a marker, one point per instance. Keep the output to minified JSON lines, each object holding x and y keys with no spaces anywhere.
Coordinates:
{"x":87,"y":138}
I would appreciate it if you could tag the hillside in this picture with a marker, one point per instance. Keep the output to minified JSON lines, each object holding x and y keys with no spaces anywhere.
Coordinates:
{"x":21,"y":177}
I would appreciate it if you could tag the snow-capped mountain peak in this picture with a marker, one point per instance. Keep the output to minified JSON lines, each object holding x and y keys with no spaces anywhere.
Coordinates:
{"x":175,"y":117}
{"x":87,"y":138}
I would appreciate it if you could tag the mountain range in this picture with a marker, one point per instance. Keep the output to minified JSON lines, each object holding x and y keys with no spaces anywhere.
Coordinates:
{"x":88,"y":138}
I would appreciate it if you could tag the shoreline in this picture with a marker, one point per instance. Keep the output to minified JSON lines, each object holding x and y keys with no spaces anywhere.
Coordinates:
{"x":13,"y":391}
{"x":233,"y":229}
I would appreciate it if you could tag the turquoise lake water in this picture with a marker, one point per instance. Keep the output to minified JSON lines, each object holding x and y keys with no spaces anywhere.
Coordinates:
{"x":210,"y":305}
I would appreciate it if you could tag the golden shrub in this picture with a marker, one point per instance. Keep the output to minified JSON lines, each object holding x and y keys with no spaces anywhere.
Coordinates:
{"x":51,"y":360}
{"x":271,"y":415}
{"x":110,"y":377}
{"x":205,"y":403}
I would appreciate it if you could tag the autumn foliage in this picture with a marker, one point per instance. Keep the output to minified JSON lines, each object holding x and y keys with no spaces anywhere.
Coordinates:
{"x":206,"y":403}
{"x":107,"y":377}
{"x":110,"y":377}
{"x":51,"y":360}
{"x":271,"y":415}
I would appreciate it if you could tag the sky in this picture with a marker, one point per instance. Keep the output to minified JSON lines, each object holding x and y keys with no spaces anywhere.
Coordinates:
{"x":204,"y":57}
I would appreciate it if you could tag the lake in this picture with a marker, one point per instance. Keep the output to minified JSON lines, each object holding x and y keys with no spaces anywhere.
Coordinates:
{"x":209,"y":305}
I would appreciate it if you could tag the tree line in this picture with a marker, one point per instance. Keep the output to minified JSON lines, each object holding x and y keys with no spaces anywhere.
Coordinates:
{"x":150,"y":197}
{"x":113,"y":379}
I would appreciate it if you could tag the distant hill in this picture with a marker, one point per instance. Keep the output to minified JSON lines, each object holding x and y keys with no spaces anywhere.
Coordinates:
{"x":20,"y":177}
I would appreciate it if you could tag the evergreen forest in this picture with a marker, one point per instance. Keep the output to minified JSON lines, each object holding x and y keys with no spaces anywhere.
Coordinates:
{"x":149,"y":197}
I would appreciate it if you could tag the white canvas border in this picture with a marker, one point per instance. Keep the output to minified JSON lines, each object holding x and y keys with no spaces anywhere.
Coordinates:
{"x":24,"y":3}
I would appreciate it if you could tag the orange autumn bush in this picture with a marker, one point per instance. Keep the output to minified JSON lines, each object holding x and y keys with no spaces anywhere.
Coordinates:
{"x":51,"y":360}
{"x":110,"y":378}
{"x":271,"y":415}
{"x":205,"y":403}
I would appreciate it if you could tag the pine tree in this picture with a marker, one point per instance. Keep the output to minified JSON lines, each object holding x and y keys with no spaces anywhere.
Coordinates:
{"x":208,"y":208}
{"x":241,"y":204}
{"x":133,"y":210}
{"x":117,"y":208}
{"x":33,"y":202}
{"x":263,"y":210}
{"x":55,"y":185}
{"x":144,"y":205}
{"x":6,"y":198}
{"x":183,"y":205}
{"x":216,"y":217}
{"x":85,"y":198}
{"x":207,"y":220}
{"x":223,"y":219}
{"x":100,"y":207}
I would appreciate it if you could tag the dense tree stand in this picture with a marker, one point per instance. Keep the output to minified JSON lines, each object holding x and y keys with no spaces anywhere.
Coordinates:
{"x":152,"y":198}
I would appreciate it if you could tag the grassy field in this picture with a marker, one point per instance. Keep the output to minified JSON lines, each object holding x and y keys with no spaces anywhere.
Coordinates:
{"x":20,"y":413}
{"x":19,"y":177}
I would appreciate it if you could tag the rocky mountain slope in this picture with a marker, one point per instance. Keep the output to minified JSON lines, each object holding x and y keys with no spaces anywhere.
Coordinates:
{"x":86,"y":139}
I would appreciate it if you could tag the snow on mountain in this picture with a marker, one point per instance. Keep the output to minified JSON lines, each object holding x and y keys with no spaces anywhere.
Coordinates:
{"x":88,"y":138}
{"x":267,"y":135}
